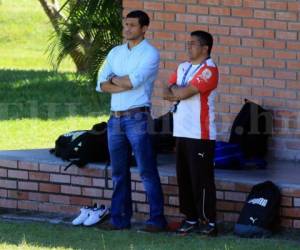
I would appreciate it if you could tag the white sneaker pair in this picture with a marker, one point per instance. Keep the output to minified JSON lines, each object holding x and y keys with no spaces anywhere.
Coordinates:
{"x":91,"y":215}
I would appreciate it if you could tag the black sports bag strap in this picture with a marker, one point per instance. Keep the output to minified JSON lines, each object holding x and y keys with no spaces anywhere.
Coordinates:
{"x":106,"y":173}
{"x":69,"y":165}
{"x":78,"y":163}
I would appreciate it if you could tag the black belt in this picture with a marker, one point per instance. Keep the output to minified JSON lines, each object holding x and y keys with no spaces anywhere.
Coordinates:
{"x":129,"y":111}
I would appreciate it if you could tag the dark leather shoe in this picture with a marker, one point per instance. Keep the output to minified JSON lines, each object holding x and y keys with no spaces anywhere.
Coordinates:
{"x":153,"y":229}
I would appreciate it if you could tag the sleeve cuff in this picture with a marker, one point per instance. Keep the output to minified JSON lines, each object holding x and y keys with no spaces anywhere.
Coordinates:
{"x":134,"y":80}
{"x":195,"y":84}
{"x":98,"y":87}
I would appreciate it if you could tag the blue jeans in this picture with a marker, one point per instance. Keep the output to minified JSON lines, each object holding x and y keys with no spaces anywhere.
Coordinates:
{"x":123,"y":132}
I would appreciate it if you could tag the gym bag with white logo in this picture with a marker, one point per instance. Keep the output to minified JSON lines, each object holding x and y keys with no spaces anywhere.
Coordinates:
{"x":260,"y":214}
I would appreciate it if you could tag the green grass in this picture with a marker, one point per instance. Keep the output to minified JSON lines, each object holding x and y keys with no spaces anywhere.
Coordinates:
{"x":36,"y":103}
{"x":25,"y":30}
{"x":45,"y":236}
{"x":38,"y":106}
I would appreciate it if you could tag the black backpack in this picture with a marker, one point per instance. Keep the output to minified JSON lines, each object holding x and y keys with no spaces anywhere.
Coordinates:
{"x":251,"y":130}
{"x":83,"y":146}
{"x":260,"y":214}
{"x":248,"y":142}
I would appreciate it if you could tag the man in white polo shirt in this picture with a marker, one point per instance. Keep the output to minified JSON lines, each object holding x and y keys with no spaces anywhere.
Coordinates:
{"x":192,"y":88}
{"x":128,"y":74}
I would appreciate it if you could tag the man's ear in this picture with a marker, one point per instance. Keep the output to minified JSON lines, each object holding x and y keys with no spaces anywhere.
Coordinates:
{"x":145,"y":28}
{"x":206,"y":48}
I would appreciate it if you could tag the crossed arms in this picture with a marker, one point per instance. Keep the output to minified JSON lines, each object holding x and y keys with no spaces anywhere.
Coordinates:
{"x":116,"y":85}
{"x":174,"y":93}
{"x":146,"y":70}
{"x":199,"y":84}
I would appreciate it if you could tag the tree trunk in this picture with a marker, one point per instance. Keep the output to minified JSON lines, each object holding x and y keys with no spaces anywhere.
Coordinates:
{"x":51,"y":8}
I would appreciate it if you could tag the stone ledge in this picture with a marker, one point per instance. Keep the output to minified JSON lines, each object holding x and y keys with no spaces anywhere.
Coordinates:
{"x":39,"y":183}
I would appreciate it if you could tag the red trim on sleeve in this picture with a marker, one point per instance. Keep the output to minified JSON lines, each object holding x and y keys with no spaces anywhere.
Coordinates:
{"x":173,"y":78}
{"x":206,"y":79}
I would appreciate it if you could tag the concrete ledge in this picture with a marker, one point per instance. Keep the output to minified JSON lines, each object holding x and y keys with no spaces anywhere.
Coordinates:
{"x":35,"y":180}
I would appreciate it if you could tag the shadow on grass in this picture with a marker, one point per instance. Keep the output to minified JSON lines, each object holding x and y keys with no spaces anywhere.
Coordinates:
{"x":48,"y":95}
{"x":51,"y":236}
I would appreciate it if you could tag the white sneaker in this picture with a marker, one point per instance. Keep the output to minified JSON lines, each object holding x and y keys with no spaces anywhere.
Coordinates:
{"x":84,"y":214}
{"x":96,"y":215}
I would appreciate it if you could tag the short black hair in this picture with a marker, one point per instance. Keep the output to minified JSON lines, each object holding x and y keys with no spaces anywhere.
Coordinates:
{"x":204,"y":38}
{"x":144,"y":19}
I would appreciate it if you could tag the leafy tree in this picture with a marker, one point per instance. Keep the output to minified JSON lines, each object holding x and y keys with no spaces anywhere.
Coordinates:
{"x":85,"y":30}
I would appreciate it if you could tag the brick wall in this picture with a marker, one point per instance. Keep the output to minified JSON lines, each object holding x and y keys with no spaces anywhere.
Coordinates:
{"x":257,"y":49}
{"x":48,"y":188}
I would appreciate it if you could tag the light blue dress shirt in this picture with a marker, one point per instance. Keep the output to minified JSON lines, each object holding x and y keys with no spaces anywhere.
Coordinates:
{"x":141,"y":64}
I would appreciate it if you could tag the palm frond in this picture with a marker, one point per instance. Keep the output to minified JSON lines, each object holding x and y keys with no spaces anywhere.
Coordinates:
{"x":90,"y":30}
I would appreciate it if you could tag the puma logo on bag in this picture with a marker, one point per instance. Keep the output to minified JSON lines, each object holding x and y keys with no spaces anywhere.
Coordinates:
{"x":201,"y":154}
{"x":253,"y":220}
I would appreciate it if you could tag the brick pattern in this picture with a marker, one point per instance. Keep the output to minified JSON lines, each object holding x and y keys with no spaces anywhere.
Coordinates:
{"x":34,"y":189}
{"x":257,"y":44}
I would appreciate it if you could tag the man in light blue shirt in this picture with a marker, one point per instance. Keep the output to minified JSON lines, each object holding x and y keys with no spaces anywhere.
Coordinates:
{"x":136,"y":69}
{"x":128,"y":73}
